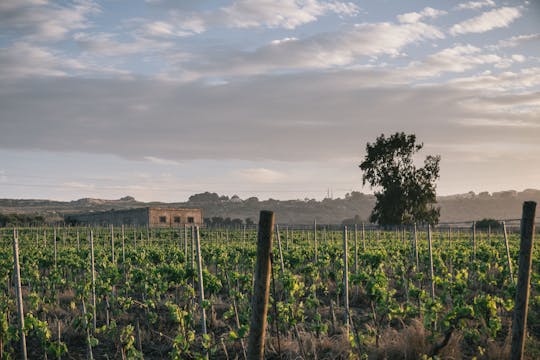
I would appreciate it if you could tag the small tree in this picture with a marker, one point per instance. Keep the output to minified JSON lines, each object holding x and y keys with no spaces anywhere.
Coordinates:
{"x":407,"y":194}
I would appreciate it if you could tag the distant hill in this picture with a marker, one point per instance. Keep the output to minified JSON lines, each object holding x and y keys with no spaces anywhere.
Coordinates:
{"x":454,"y":208}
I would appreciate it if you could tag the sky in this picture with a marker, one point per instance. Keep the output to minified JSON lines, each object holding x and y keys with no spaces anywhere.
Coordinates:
{"x":162,"y":99}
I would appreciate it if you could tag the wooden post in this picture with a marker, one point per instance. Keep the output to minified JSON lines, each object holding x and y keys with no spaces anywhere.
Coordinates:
{"x":474,"y":239}
{"x":201,"y":283}
{"x":93,"y":270}
{"x":355,"y":249}
{"x":18,"y":293}
{"x":261,"y":288}
{"x":112,"y":243}
{"x":282,"y":265}
{"x":315,"y":238}
{"x":185,"y":244}
{"x":287,"y":239}
{"x":346,"y":280}
{"x":123,"y":247}
{"x":416,"y":248}
{"x":363,"y":238}
{"x":508,"y":259}
{"x":55,"y":248}
{"x":431,"y":272}
{"x":519,"y":324}
{"x":78,"y":240}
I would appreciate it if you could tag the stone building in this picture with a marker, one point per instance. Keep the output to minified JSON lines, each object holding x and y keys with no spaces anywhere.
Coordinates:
{"x":152,"y":216}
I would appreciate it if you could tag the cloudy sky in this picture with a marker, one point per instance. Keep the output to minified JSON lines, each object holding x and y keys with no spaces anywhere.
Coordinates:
{"x":161,"y":99}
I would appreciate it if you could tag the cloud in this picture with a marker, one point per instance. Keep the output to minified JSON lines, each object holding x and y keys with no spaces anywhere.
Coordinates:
{"x":37,"y":20}
{"x":261,"y":175}
{"x":490,"y":20}
{"x":458,"y":58}
{"x":161,"y":161}
{"x":259,"y":118}
{"x":515,"y":41}
{"x":106,"y":44}
{"x":24,"y":60}
{"x":474,"y":5}
{"x":521,"y":80}
{"x":284,"y":14}
{"x":320,"y":51}
{"x":163,"y":29}
{"x":413,"y":17}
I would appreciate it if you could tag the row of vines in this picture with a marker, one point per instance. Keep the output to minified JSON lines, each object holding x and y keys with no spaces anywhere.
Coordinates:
{"x":134,"y":293}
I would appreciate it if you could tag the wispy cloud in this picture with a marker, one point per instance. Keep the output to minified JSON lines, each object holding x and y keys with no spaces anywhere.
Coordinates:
{"x":160,"y":161}
{"x":474,"y":5}
{"x":37,"y":20}
{"x":261,"y":175}
{"x":518,"y":40}
{"x":457,"y":59}
{"x":321,"y":51}
{"x":286,"y":14}
{"x":413,"y":17}
{"x":498,"y":18}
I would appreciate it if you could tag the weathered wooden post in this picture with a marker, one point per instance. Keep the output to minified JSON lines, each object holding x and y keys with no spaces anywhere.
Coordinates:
{"x":346,"y":280}
{"x":201,"y":283}
{"x":355,"y":249}
{"x":363,"y":238}
{"x":416,"y":248}
{"x":315,"y":238}
{"x":123,"y":246}
{"x":508,"y":259}
{"x":261,"y":288}
{"x":18,"y":292}
{"x":431,"y":272}
{"x":55,"y":248}
{"x":112,"y":243}
{"x":282,"y":265}
{"x":519,"y":324}
{"x":474,"y":239}
{"x":93,"y":270}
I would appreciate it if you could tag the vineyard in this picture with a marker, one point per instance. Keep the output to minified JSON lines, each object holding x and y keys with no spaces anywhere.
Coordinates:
{"x":133,"y":293}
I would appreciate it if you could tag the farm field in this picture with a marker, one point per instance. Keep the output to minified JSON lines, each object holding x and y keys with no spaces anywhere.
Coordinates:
{"x":142,"y":300}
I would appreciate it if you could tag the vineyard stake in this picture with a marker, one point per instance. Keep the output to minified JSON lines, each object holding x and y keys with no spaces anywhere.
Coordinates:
{"x":346,"y":280}
{"x":431,"y":275}
{"x":282,"y":266}
{"x":201,"y":283}
{"x":416,"y":248}
{"x":112,"y":243}
{"x":123,"y":246}
{"x":185,"y":243}
{"x":355,"y":248}
{"x":474,"y":239}
{"x":55,"y":249}
{"x":18,"y":293}
{"x":93,"y":270}
{"x":363,"y":238}
{"x":519,"y":323}
{"x":509,"y":261}
{"x":315,"y":238}
{"x":261,"y":288}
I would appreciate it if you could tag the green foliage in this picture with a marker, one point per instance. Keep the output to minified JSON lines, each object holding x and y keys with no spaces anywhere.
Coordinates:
{"x":407,"y":193}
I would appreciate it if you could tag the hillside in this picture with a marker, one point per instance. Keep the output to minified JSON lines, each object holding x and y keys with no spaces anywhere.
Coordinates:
{"x":462,"y":207}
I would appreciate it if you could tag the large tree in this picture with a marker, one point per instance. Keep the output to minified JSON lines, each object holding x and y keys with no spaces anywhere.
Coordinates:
{"x":405,"y":194}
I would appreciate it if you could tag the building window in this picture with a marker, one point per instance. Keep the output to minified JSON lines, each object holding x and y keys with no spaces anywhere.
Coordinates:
{"x":177,"y":219}
{"x":190,"y":219}
{"x":163,"y":219}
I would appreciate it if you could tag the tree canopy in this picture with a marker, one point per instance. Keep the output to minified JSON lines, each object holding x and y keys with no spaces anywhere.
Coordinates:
{"x":405,"y":194}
